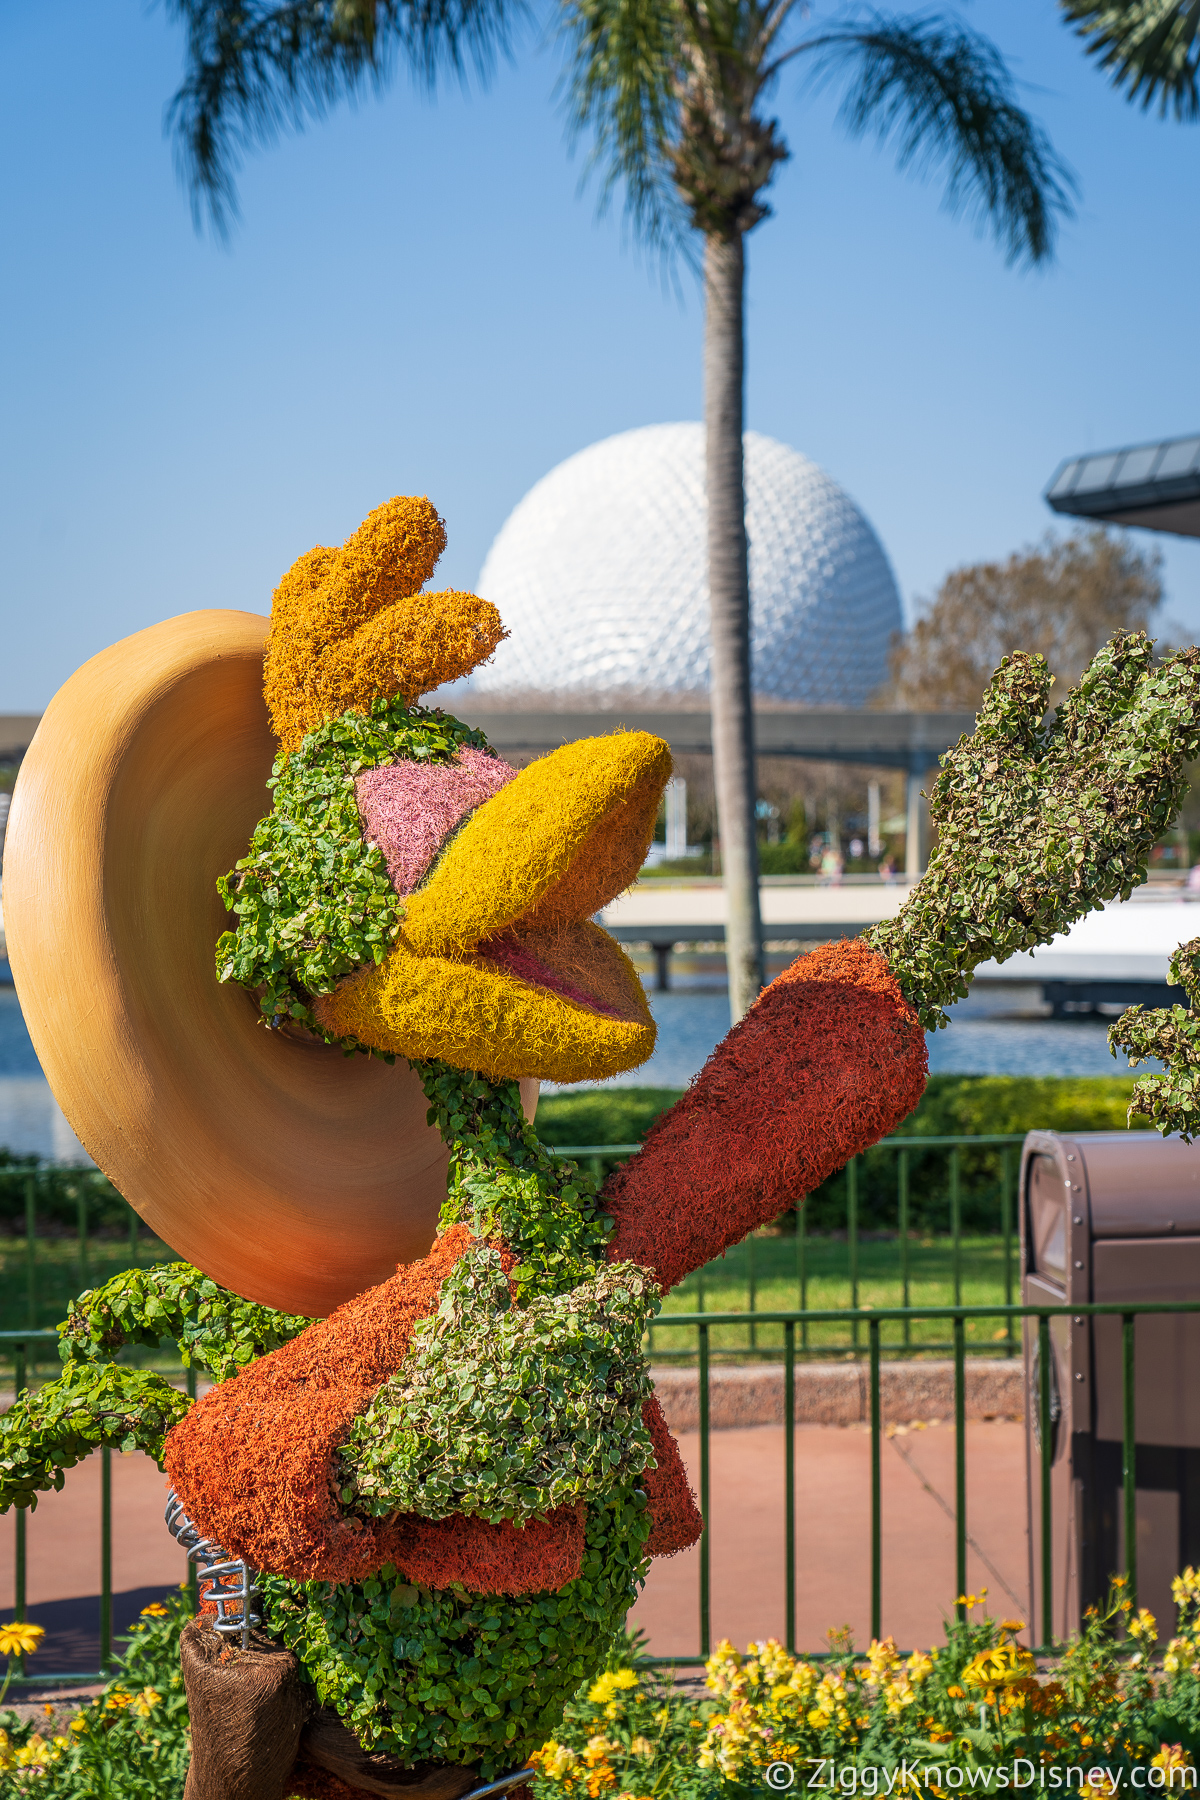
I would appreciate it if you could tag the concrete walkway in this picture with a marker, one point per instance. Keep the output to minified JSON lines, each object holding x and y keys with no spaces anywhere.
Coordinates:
{"x":832,"y":1555}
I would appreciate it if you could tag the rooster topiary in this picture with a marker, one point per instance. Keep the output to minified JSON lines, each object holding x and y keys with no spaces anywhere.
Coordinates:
{"x":452,"y":1485}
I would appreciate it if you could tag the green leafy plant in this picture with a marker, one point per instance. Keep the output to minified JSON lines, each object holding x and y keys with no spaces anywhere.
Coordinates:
{"x":1172,"y":1034}
{"x":507,"y":1412}
{"x":1041,"y":820}
{"x":459,"y":1677}
{"x":174,"y":1302}
{"x":312,"y":896}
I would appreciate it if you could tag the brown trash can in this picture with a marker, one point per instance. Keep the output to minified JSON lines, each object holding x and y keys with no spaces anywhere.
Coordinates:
{"x":1112,"y":1216}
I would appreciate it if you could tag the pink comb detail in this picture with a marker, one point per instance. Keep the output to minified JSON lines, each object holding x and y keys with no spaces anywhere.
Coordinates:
{"x":410,"y":808}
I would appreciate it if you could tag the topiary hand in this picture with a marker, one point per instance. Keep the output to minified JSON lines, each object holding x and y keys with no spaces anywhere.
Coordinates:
{"x":1172,"y":1034}
{"x":1041,"y":821}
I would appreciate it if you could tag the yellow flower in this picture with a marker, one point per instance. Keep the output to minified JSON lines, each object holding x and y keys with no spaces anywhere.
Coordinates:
{"x":607,"y":1686}
{"x":598,"y":1750}
{"x":146,"y":1701}
{"x":20,"y":1638}
{"x":154,"y":1611}
{"x":1185,"y":1587}
{"x":642,"y":1748}
{"x":882,"y":1658}
{"x":920,"y":1667}
{"x":556,"y":1761}
{"x":117,"y":1699}
{"x":992,"y":1668}
{"x":1144,"y":1625}
{"x":79,"y":1723}
{"x":1171,"y":1756}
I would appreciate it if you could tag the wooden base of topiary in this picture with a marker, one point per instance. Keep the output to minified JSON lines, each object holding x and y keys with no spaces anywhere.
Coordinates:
{"x":255,"y":1735}
{"x":247,"y":1710}
{"x":329,"y":1749}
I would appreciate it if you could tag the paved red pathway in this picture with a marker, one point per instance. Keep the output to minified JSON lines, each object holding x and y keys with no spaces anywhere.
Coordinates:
{"x":833,"y":1551}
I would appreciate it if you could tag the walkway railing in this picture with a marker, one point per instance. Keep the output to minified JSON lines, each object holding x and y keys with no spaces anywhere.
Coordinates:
{"x":872,"y":1323}
{"x":1002,"y":1195}
{"x":22,"y":1345}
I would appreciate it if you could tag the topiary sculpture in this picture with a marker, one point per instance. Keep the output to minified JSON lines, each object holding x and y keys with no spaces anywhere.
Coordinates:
{"x":453,"y":1483}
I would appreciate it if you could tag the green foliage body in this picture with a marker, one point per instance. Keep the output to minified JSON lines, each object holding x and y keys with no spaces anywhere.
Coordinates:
{"x":508,"y":1412}
{"x":461,"y":1677}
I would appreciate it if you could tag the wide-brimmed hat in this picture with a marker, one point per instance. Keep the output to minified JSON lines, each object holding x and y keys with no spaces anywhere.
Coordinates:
{"x":291,"y":1173}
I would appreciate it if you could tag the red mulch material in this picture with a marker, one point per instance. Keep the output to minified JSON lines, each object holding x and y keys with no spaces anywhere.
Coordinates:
{"x":673,"y":1510}
{"x":490,"y":1559}
{"x":253,"y":1459}
{"x":827,"y":1061}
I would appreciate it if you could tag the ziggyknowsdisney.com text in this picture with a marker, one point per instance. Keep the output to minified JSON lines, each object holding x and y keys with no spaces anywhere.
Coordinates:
{"x":1095,"y":1780}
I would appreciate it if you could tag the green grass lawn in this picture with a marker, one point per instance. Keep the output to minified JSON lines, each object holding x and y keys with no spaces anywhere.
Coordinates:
{"x":724,"y":1286}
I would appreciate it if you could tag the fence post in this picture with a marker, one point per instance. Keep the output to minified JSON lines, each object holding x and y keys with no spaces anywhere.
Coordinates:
{"x":902,"y":1181}
{"x":876,"y":1521}
{"x":105,"y":1558}
{"x":852,"y":1236}
{"x":1006,"y":1228}
{"x":752,"y":1282}
{"x":705,"y":1510}
{"x":960,"y":1467}
{"x":31,"y":1260}
{"x":956,"y":1223}
{"x":20,"y":1558}
{"x":1044,"y":1420}
{"x":81,"y":1208}
{"x":802,"y":1266}
{"x":1129,"y":1453}
{"x":789,"y":1481}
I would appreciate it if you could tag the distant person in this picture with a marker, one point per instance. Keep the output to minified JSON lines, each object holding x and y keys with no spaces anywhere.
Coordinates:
{"x":856,"y":849}
{"x":887,"y":869}
{"x":831,"y":867}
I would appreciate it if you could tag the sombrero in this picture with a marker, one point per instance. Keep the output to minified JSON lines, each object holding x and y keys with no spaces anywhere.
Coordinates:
{"x":289,"y":1171}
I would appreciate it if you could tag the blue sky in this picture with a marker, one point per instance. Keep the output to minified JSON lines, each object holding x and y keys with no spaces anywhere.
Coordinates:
{"x":417,"y":299}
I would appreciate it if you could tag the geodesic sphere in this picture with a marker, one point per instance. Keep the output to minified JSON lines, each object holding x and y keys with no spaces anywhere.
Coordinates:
{"x":600,"y":576}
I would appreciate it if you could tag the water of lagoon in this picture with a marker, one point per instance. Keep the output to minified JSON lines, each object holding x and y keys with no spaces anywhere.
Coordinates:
{"x":692,"y":1018}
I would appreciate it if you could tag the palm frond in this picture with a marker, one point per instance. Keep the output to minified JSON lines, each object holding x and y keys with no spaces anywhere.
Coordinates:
{"x":943,"y":96}
{"x":1152,"y":48}
{"x":624,"y":91}
{"x":257,"y":67}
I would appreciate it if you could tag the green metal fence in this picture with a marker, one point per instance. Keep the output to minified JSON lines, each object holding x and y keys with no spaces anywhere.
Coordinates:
{"x":903,"y":1150}
{"x":872,"y":1324}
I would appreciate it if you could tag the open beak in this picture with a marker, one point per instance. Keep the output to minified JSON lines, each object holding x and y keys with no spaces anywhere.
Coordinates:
{"x":497,"y":965}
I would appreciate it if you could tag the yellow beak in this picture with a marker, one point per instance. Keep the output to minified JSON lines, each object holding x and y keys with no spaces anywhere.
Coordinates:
{"x":497,"y":966}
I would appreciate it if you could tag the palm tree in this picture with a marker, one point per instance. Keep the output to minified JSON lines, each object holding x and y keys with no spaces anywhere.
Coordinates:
{"x":672,"y":94}
{"x":1151,"y":46}
{"x":257,"y":66}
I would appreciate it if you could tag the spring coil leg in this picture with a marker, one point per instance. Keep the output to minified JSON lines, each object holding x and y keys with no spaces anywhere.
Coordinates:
{"x":228,"y":1581}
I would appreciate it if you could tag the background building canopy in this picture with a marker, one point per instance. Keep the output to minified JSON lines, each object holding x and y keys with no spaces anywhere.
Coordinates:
{"x":1153,"y":485}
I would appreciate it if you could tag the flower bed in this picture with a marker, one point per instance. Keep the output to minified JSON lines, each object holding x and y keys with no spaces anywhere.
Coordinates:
{"x":1116,"y":1711}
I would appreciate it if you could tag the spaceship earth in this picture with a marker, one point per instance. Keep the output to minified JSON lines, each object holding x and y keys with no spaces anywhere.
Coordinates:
{"x":599,"y":574}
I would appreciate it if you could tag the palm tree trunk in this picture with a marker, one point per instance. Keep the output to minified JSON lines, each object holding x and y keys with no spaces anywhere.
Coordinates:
{"x":729,"y":602}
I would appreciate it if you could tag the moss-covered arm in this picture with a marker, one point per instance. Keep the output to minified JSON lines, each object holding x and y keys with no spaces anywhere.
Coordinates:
{"x":1171,"y":1034}
{"x":58,"y":1425}
{"x":174,"y":1302}
{"x":1041,"y":821}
